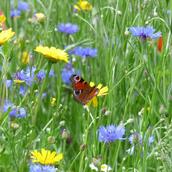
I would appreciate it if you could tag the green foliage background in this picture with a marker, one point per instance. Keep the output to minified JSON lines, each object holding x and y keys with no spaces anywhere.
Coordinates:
{"x":138,"y":77}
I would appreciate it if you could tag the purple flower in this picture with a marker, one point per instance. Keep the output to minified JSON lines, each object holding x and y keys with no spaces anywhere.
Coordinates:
{"x":26,"y":75}
{"x":144,"y":32}
{"x":41,"y":168}
{"x":23,"y":6}
{"x":22,"y":90}
{"x":84,"y":52}
{"x":15,"y":13}
{"x":67,"y":72}
{"x":41,"y":75}
{"x":68,"y":28}
{"x":7,"y":105}
{"x":18,"y":112}
{"x":110,"y":133}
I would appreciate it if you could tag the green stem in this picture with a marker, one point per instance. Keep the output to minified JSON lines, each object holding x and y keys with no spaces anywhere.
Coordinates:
{"x":38,"y":100}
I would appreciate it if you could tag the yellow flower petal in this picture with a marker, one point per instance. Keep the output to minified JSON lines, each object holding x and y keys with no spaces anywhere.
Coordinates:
{"x":99,"y":86}
{"x":52,"y":53}
{"x":58,"y":157}
{"x":83,"y":5}
{"x":46,"y":157}
{"x":2,"y":18}
{"x":18,"y":81}
{"x":103,"y":91}
{"x":25,"y":57}
{"x":95,"y":101}
{"x":5,"y":35}
{"x":92,"y":84}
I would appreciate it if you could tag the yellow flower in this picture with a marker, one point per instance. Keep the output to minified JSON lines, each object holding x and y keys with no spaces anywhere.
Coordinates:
{"x":18,"y":81}
{"x":25,"y":57}
{"x":2,"y":18}
{"x":52,"y":101}
{"x":5,"y":35}
{"x":102,"y":92}
{"x":52,"y":53}
{"x":39,"y":17}
{"x":83,"y":5}
{"x":46,"y":157}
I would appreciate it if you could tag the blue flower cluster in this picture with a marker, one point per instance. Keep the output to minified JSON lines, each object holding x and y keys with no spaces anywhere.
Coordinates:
{"x":28,"y":76}
{"x":84,"y":52}
{"x":22,"y":6}
{"x":14,"y":111}
{"x":68,"y":28}
{"x":67,"y":72}
{"x":111,"y":133}
{"x":144,"y":32}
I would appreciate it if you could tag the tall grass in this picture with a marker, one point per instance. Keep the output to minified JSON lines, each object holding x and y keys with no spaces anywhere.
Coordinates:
{"x":138,"y":76}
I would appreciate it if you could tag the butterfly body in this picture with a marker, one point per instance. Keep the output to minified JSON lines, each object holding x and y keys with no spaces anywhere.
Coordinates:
{"x":82,"y":91}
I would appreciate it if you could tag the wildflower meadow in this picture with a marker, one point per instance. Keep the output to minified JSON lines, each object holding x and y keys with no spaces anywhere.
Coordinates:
{"x":85,"y":86}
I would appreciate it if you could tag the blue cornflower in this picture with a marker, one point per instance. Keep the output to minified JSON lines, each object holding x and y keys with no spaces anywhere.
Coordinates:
{"x":67,"y":72}
{"x":41,"y":168}
{"x":41,"y":75}
{"x":144,"y":32}
{"x":111,"y":133}
{"x":7,"y":105}
{"x":68,"y":28}
{"x":18,"y":112}
{"x":26,"y":75}
{"x":84,"y":52}
{"x":15,"y":13}
{"x":23,"y":6}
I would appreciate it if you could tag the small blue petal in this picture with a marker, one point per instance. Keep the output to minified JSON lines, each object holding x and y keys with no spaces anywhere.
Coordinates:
{"x":144,"y":32}
{"x":68,"y":28}
{"x":41,"y":168}
{"x":111,"y":133}
{"x":23,"y":6}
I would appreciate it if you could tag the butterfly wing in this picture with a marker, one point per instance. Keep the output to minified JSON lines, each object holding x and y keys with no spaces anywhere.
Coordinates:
{"x":83,"y":92}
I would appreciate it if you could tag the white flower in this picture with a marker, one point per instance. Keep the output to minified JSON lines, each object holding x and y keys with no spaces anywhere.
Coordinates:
{"x":105,"y":168}
{"x":93,"y":167}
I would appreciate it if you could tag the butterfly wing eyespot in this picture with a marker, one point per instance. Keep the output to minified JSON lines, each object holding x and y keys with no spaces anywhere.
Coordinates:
{"x":77,"y":92}
{"x":77,"y":78}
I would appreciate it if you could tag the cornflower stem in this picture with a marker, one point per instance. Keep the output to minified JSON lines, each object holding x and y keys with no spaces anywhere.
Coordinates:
{"x":86,"y":139}
{"x":4,"y":91}
{"x":38,"y":100}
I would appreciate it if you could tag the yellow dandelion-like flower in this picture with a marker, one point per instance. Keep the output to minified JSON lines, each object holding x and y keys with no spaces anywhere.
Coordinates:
{"x":5,"y":35}
{"x":102,"y":92}
{"x":83,"y":5}
{"x":46,"y":157}
{"x":52,"y":53}
{"x":25,"y":57}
